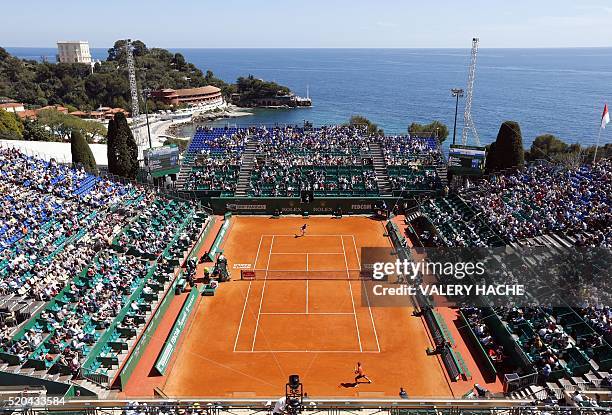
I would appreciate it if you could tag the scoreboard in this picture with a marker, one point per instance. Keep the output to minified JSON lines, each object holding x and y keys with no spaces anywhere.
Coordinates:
{"x":163,"y":160}
{"x":466,"y":160}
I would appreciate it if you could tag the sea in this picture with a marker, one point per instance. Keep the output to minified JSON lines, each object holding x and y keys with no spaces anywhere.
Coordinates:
{"x":556,"y":91}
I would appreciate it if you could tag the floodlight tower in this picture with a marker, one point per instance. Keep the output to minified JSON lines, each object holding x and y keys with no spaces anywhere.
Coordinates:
{"x":468,"y":123}
{"x":134,"y":92}
{"x":457,"y":93}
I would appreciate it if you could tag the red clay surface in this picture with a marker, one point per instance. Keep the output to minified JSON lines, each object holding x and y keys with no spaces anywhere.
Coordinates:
{"x":252,"y":335}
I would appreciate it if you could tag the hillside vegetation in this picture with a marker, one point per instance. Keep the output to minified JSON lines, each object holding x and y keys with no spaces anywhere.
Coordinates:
{"x":75,"y":86}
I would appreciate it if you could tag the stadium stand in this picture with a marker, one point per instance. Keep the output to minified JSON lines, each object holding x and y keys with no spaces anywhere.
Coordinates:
{"x":562,"y":349}
{"x":330,"y":161}
{"x":82,"y":260}
{"x":566,"y":352}
{"x":458,"y":224}
{"x":326,"y":160}
{"x":546,"y":198}
{"x":402,"y":150}
{"x":212,"y":160}
{"x":412,"y":163}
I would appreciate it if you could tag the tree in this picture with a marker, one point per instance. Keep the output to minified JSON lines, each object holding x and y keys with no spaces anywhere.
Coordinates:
{"x":603,"y":152}
{"x":546,"y":145}
{"x":81,"y":153}
{"x":251,"y":88}
{"x":56,"y":121}
{"x":506,"y":152}
{"x":122,"y":150}
{"x":117,"y":52}
{"x":92,"y":130}
{"x":551,"y":148}
{"x":33,"y":130}
{"x":11,"y":127}
{"x":570,"y":160}
{"x":179,"y":61}
{"x":372,"y":127}
{"x":434,"y":128}
{"x":62,"y":125}
{"x":111,"y":146}
{"x":179,"y":142}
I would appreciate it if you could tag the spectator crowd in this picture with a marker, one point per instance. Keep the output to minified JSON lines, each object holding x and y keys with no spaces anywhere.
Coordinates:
{"x":549,"y":198}
{"x":331,"y":160}
{"x":61,"y":234}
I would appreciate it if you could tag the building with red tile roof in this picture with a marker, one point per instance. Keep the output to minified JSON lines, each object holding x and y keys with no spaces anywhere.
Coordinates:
{"x":202,"y":95}
{"x":14,"y":107}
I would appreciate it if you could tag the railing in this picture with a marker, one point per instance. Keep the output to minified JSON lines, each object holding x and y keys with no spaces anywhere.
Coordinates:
{"x":511,"y":385}
{"x":158,"y":189}
{"x":319,"y":407}
{"x":99,"y":379}
{"x":94,"y":353}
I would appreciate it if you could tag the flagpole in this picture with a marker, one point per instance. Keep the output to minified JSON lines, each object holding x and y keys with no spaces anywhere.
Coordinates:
{"x":605,"y":119}
{"x":597,"y":145}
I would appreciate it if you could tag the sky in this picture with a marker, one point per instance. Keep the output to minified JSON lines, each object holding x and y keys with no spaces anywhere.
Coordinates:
{"x":310,"y":23}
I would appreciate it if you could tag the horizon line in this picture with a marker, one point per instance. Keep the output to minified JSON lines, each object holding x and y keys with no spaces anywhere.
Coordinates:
{"x":332,"y":47}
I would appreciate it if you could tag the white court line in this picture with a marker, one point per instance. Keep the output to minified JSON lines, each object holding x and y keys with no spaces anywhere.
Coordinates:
{"x":258,"y":248}
{"x":348,"y":276}
{"x":246,"y":299}
{"x":367,"y":296}
{"x":269,"y":255}
{"x":356,"y":252}
{"x":372,"y":319}
{"x":306,"y":295}
{"x":302,"y":270}
{"x":307,"y":253}
{"x":263,"y":290}
{"x":305,"y":236}
{"x":258,"y":315}
{"x":306,"y":285}
{"x":301,"y":314}
{"x":305,"y":351}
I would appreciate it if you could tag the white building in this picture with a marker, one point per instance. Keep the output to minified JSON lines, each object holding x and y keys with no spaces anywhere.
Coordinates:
{"x":73,"y":52}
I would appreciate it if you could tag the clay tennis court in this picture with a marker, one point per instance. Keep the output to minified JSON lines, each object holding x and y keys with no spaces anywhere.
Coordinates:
{"x":303,"y":314}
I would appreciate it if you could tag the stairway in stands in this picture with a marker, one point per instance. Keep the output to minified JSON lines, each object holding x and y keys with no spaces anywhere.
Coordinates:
{"x":184,"y":173}
{"x":186,"y":165}
{"x":413,"y":215}
{"x":442,"y":173}
{"x":248,"y":162}
{"x":532,"y":392}
{"x":380,"y":169}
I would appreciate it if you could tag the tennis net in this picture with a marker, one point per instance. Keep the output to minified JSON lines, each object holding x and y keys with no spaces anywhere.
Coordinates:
{"x":263,"y":274}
